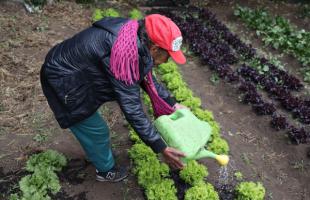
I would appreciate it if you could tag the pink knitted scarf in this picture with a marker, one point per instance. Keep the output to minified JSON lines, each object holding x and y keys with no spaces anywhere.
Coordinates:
{"x":124,"y":65}
{"x":124,"y":54}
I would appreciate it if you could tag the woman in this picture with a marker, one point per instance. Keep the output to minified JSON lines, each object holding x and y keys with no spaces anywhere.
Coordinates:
{"x":110,"y":61}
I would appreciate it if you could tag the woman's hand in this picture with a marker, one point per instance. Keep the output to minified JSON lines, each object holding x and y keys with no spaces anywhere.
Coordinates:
{"x":173,"y":157}
{"x":178,"y":106}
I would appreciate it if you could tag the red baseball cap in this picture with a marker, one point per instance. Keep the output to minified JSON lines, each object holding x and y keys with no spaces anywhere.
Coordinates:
{"x":163,"y":32}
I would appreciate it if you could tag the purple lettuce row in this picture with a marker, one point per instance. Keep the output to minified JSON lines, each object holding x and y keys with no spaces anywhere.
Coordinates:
{"x":299,"y":108}
{"x":279,"y":122}
{"x":211,"y":56}
{"x":204,"y":42}
{"x":299,"y":135}
{"x":296,"y":135}
{"x":251,"y":96}
{"x":246,"y":50}
{"x":264,"y":108}
{"x":289,"y":81}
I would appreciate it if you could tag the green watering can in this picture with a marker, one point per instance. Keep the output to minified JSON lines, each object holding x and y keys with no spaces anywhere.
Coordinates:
{"x":184,"y":131}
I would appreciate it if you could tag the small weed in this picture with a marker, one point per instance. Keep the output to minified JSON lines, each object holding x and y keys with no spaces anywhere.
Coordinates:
{"x":270,"y":195}
{"x":185,"y":48}
{"x":39,"y":125}
{"x":238,"y":176}
{"x":126,"y":191}
{"x":116,"y":145}
{"x":300,"y":165}
{"x":104,"y":110}
{"x":113,"y":135}
{"x":245,"y":158}
{"x":2,"y":131}
{"x":42,"y":28}
{"x":215,"y":79}
{"x":40,"y":137}
{"x":1,"y":107}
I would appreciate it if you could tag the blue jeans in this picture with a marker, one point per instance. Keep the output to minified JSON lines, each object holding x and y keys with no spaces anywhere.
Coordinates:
{"x":93,"y":135}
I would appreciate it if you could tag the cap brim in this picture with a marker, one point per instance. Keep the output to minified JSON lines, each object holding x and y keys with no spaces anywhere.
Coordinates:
{"x":178,"y":57}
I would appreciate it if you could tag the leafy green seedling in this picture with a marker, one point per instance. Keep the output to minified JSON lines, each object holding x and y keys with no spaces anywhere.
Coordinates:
{"x":40,"y":137}
{"x":245,"y":158}
{"x":165,"y":190}
{"x":202,"y":192}
{"x":238,"y":176}
{"x":194,"y":173}
{"x":135,"y":14}
{"x":49,"y":159}
{"x":215,"y":79}
{"x":218,"y":146}
{"x":250,"y":191}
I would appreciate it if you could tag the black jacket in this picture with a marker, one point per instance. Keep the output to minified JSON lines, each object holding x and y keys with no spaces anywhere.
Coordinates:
{"x":76,"y":80}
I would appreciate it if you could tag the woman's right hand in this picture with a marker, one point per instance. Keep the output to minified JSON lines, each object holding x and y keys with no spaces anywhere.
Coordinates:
{"x":173,"y":157}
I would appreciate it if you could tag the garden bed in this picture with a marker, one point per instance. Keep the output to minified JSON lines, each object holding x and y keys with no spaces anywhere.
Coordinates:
{"x":26,"y":123}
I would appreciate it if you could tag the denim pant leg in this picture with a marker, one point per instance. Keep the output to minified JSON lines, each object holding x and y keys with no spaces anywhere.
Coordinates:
{"x":93,"y":135}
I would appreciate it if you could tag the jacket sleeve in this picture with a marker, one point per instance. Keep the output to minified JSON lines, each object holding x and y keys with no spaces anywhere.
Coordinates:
{"x":163,"y":93}
{"x":130,"y":103}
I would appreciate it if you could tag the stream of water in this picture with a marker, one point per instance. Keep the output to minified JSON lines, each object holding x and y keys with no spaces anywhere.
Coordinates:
{"x":226,"y":181}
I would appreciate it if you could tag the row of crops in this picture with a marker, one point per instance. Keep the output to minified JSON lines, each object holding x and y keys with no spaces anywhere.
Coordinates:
{"x":279,"y":33}
{"x":239,"y":63}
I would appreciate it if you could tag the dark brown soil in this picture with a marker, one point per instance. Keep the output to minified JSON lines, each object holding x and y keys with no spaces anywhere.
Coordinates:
{"x":259,"y":152}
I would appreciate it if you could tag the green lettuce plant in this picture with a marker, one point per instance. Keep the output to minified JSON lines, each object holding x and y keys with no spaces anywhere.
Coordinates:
{"x":134,"y":137}
{"x":169,"y":76}
{"x":174,"y":83}
{"x":167,"y":67}
{"x":250,"y":191}
{"x":218,"y":146}
{"x":192,"y":103}
{"x":43,"y":180}
{"x":49,"y":159}
{"x":201,"y":192}
{"x":135,"y":14}
{"x":164,"y":190}
{"x":204,"y":115}
{"x":109,"y":12}
{"x":97,"y":15}
{"x":194,"y":173}
{"x":139,"y":152}
{"x":37,"y":185}
{"x":151,"y":173}
{"x":238,"y":176}
{"x":183,"y":93}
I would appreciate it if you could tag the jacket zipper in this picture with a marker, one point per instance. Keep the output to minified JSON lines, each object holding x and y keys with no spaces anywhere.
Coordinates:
{"x":66,"y":96}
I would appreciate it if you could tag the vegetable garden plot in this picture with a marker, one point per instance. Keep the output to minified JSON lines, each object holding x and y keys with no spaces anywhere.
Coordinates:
{"x":219,"y":48}
{"x":42,"y":176}
{"x":280,"y":34}
{"x":99,"y":191}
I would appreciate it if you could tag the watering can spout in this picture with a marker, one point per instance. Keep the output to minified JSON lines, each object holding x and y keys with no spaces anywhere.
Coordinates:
{"x":221,"y":159}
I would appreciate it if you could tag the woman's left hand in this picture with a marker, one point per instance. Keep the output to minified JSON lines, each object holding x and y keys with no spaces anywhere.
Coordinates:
{"x":178,"y":106}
